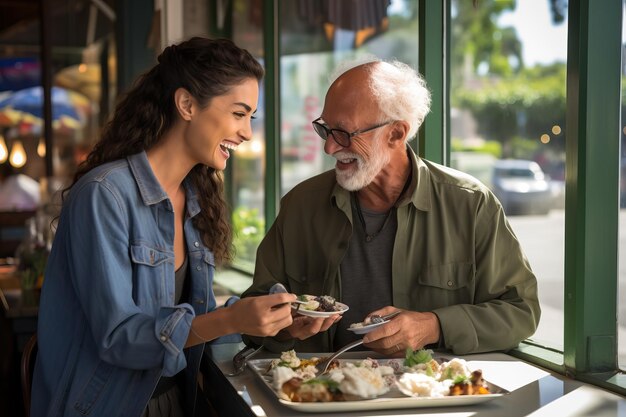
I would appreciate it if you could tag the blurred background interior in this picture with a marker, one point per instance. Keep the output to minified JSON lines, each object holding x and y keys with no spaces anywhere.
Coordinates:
{"x":499,"y":114}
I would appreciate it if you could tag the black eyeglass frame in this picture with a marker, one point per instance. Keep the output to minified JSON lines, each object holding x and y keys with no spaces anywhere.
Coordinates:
{"x":322,"y":129}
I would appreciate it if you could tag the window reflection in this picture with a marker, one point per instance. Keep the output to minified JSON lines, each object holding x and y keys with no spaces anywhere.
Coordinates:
{"x":315,"y":36}
{"x":246,"y":169}
{"x":508,"y":83}
{"x":83,"y":69}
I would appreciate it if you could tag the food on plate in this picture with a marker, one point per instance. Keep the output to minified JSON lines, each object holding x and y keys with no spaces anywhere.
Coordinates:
{"x":324,"y":303}
{"x":312,"y":390}
{"x":297,"y":382}
{"x":289,"y":366}
{"x":425,"y":377}
{"x":472,"y":386}
{"x":421,"y":385}
{"x":363,"y":379}
{"x":367,"y":322}
{"x":421,"y":361}
{"x":419,"y":375}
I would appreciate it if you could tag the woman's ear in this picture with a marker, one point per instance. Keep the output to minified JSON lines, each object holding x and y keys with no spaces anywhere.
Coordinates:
{"x":184,"y":103}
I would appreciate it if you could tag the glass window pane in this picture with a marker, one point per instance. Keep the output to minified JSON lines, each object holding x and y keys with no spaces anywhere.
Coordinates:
{"x":246,"y":171}
{"x":508,"y":83}
{"x":82,"y":61}
{"x":315,"y":37}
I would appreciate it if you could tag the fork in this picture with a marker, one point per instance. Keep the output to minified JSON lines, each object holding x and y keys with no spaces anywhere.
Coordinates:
{"x":280,"y":288}
{"x":375,"y":319}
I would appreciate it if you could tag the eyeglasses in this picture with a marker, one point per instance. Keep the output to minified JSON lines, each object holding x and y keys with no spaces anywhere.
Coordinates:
{"x":342,"y":137}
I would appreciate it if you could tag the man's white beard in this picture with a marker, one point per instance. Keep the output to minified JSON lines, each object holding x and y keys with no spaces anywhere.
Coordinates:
{"x":365,"y":172}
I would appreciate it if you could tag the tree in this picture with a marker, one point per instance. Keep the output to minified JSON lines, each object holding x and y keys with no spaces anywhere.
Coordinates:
{"x":527,"y":106}
{"x":479,"y":43}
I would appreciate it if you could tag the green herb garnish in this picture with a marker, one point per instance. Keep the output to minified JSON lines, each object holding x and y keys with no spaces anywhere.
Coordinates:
{"x":461,"y":379}
{"x":331,"y":384}
{"x":416,"y":357}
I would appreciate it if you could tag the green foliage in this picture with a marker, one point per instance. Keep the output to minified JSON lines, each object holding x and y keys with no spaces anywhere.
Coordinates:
{"x":528,"y":104}
{"x":489,"y":146}
{"x":248,"y":231}
{"x":479,"y":42}
{"x":522,"y":148}
{"x":32,"y":265}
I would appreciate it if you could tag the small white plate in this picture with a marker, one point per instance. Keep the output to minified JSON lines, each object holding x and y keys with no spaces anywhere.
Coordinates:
{"x":366,"y":329}
{"x":313,"y":313}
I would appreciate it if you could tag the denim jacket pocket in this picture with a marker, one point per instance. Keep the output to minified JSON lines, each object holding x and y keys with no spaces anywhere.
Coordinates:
{"x":146,"y":255}
{"x":97,"y":383}
{"x":152,"y":267}
{"x":444,"y":285}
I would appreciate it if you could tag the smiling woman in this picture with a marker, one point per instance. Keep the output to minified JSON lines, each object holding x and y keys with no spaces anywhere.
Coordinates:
{"x":147,"y":210}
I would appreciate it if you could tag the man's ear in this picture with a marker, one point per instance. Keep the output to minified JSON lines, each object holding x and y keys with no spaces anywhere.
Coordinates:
{"x":184,"y":103}
{"x":399,"y":130}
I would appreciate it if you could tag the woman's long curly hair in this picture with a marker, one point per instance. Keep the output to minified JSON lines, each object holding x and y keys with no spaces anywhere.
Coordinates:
{"x":206,"y":68}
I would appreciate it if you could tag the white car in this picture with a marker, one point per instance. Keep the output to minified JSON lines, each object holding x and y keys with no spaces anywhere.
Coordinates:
{"x":521,"y":186}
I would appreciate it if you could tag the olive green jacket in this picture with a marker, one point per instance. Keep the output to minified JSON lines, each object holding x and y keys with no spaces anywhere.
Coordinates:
{"x":454,"y":254}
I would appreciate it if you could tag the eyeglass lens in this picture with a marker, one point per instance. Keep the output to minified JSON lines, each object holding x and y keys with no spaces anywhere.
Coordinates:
{"x":341,"y":137}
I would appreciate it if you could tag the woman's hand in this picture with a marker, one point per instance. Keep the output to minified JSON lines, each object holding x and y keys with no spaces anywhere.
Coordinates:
{"x":264,"y":315}
{"x":304,"y":327}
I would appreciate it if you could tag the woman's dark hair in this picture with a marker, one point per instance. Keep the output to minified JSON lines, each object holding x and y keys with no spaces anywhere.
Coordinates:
{"x":206,"y":68}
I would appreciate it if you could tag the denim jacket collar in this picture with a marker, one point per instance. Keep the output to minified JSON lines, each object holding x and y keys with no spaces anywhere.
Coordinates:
{"x":150,"y":189}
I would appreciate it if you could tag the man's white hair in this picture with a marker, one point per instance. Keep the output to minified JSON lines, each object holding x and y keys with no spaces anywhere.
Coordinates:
{"x":400,"y":90}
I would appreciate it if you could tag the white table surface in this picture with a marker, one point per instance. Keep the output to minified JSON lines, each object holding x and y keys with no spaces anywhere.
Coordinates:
{"x":533,"y":391}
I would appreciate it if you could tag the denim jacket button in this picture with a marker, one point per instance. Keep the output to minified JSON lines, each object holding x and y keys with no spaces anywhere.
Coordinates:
{"x":196,"y":244}
{"x":198,"y":268}
{"x":450,"y":284}
{"x":163,"y":338}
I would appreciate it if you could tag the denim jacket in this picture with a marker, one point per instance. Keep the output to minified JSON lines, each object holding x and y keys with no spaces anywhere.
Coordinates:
{"x":108,"y":326}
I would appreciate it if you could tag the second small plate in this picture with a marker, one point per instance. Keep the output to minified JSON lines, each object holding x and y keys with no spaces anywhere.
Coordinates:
{"x":366,"y":329}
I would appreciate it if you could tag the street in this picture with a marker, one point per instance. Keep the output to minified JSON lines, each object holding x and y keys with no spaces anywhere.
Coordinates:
{"x":542,"y":239}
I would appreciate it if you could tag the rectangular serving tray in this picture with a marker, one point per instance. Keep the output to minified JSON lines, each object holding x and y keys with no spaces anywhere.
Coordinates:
{"x":394,"y":399}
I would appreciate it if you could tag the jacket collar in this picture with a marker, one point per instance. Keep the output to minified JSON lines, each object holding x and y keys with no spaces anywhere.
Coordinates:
{"x":420,"y":184}
{"x":150,"y":189}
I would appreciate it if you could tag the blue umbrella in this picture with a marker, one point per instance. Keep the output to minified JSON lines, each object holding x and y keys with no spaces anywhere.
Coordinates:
{"x":64,"y":103}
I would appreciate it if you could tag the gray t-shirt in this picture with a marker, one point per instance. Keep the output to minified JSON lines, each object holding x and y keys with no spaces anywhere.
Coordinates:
{"x":366,"y":270}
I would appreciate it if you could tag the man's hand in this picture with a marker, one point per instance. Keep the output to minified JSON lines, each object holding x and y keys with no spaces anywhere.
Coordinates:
{"x":408,"y":329}
{"x":304,"y":327}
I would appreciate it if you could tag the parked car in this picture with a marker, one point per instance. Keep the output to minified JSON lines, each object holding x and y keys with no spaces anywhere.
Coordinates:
{"x":522,"y":187}
{"x":477,"y":164}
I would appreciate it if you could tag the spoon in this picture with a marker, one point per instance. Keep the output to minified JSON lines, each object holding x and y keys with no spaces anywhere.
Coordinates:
{"x":375,"y":319}
{"x":240,"y":360}
{"x":324,"y":364}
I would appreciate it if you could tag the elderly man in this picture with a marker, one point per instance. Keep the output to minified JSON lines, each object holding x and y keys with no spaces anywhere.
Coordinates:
{"x":386,"y":230}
